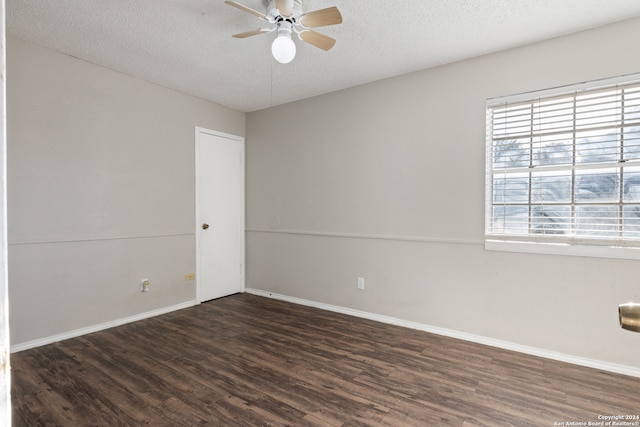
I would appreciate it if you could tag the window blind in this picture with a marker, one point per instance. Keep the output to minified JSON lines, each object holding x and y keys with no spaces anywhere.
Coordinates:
{"x":565,"y":168}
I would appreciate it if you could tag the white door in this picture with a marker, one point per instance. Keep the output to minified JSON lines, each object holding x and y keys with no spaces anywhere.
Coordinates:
{"x":219,"y":214}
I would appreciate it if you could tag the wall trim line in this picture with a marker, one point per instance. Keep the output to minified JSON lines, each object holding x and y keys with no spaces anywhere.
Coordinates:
{"x":369,"y":236}
{"x":100,"y":327}
{"x":54,"y":240}
{"x":506,"y":345}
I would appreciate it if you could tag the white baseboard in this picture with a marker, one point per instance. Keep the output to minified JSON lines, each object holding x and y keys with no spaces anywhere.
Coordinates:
{"x":95,"y":328}
{"x":596,"y":364}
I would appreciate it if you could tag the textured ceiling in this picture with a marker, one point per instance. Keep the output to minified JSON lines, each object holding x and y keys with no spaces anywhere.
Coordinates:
{"x":187,"y":44}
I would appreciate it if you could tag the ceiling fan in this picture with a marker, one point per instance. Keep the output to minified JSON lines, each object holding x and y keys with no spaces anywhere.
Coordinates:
{"x":287,"y":17}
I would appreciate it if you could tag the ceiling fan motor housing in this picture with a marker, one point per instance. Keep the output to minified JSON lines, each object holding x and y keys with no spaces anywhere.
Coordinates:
{"x":274,"y":15}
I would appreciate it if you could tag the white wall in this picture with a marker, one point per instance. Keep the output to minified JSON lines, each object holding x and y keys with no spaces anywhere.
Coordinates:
{"x":101,"y":192}
{"x":386,"y":181}
{"x":5,"y":371}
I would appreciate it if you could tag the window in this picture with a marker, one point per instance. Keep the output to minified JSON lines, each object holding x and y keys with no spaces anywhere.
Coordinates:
{"x":563,"y":171}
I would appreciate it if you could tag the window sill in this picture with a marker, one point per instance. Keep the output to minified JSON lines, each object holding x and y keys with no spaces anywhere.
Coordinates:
{"x":563,"y":249}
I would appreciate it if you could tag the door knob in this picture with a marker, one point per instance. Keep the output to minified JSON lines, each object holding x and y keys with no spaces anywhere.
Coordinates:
{"x":205,"y":226}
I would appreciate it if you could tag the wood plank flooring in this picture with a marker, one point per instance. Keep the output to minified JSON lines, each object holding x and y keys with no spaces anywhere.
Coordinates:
{"x":245,"y":360}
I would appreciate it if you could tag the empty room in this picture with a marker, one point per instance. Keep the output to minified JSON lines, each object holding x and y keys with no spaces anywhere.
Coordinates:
{"x":322,"y":212}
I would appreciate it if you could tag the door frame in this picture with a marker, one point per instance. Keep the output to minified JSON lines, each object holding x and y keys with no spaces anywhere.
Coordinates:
{"x":198,"y":132}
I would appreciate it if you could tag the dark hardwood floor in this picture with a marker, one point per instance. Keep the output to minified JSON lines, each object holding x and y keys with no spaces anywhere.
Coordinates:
{"x":250,"y":361}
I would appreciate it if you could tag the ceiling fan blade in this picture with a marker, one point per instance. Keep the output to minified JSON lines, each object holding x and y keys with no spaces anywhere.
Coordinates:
{"x":318,"y":40}
{"x":285,"y":7}
{"x":321,"y":18}
{"x":247,"y":9}
{"x":252,"y":33}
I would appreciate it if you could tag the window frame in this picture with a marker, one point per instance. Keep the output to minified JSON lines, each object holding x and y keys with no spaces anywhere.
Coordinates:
{"x":529,"y":243}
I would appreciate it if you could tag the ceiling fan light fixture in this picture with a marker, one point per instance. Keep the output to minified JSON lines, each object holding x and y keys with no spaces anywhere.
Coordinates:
{"x":288,"y":17}
{"x":283,"y":47}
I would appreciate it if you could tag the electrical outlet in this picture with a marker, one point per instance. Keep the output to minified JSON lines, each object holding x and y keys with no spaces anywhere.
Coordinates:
{"x":144,"y":285}
{"x":361,"y":283}
{"x":189,"y":276}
